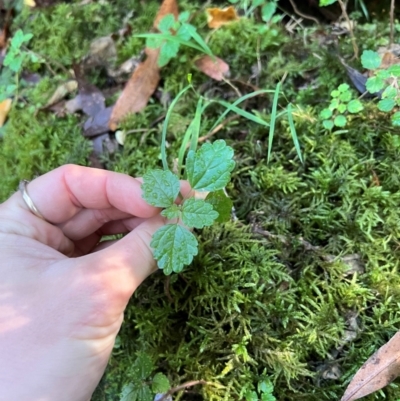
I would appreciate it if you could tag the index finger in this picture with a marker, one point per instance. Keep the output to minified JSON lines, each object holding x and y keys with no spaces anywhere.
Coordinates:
{"x":63,"y":192}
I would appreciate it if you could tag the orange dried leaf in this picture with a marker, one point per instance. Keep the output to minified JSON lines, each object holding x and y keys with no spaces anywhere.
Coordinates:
{"x":379,"y":370}
{"x":216,"y":68}
{"x":5,"y":107}
{"x":144,"y":79}
{"x":138,"y":90}
{"x":217,"y":17}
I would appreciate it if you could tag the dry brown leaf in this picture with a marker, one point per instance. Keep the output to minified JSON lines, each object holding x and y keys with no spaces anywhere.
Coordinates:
{"x":144,"y":79}
{"x":5,"y":107}
{"x":215,"y":68}
{"x":379,"y":370}
{"x":217,"y":17}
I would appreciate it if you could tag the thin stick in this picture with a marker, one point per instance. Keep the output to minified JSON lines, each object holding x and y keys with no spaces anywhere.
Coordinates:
{"x":391,"y":24}
{"x":346,"y":16}
{"x":181,"y":387}
{"x":305,"y":16}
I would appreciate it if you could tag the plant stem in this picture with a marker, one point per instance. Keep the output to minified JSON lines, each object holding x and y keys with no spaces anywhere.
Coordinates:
{"x":346,"y":16}
{"x":391,"y":24}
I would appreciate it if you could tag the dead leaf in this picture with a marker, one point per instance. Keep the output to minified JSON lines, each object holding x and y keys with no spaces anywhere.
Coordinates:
{"x":379,"y":370}
{"x":5,"y":107}
{"x":217,"y":17}
{"x":62,"y":91}
{"x":98,"y":124}
{"x":215,"y":68}
{"x":144,"y":79}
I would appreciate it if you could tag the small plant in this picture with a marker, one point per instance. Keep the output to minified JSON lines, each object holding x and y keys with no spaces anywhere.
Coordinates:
{"x":268,"y":8}
{"x":142,"y":386}
{"x":264,"y":392}
{"x":342,"y":103}
{"x":384,"y":82}
{"x":173,"y":34}
{"x":207,"y":169}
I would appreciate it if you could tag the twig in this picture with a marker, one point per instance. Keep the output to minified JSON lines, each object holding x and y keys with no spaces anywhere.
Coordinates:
{"x":305,"y":16}
{"x":218,"y":127}
{"x":346,"y":16}
{"x":182,"y":387}
{"x":391,"y":24}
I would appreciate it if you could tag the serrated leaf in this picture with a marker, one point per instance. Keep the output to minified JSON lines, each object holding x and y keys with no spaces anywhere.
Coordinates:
{"x":168,"y":51}
{"x":396,"y":119}
{"x":334,"y":104}
{"x":174,"y":247}
{"x":198,"y":213}
{"x":268,"y":10}
{"x":184,"y":32}
{"x":166,"y":23}
{"x":128,"y":393}
{"x":354,"y":106}
{"x":335,"y":93}
{"x":374,"y":84}
{"x":209,"y":168}
{"x":265,"y":386}
{"x":221,"y":204}
{"x":342,"y":108}
{"x":389,"y":92}
{"x":340,"y":121}
{"x":171,"y":212}
{"x":267,"y":397}
{"x":370,"y":60}
{"x":142,"y":367}
{"x":145,"y":394}
{"x":386,"y":105}
{"x":345,"y":96}
{"x":325,"y":114}
{"x":160,"y":383}
{"x":382,"y":74}
{"x":184,"y":16}
{"x":251,"y":396}
{"x":160,"y":187}
{"x":328,"y":124}
{"x":394,"y":70}
{"x":343,"y":88}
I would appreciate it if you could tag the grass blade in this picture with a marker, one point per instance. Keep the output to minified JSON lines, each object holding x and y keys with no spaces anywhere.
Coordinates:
{"x":273,"y":120}
{"x":165,"y":126}
{"x":243,"y":113}
{"x":293,"y":132}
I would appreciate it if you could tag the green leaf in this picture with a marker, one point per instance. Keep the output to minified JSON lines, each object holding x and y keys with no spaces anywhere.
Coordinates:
{"x":174,"y":247}
{"x":293,"y":132}
{"x":19,"y":38}
{"x":143,"y":367}
{"x":382,"y":74}
{"x":328,"y":124}
{"x":251,"y":396}
{"x":128,"y":393}
{"x":171,"y":212}
{"x":145,"y":394}
{"x":265,"y":386}
{"x":390,"y":92}
{"x":160,"y":383}
{"x":334,"y":104}
{"x":324,"y":3}
{"x":370,"y":60}
{"x":340,"y":121}
{"x":335,"y":93}
{"x":221,"y":204}
{"x":209,"y":168}
{"x":374,"y":84}
{"x":183,"y":32}
{"x":342,"y":108}
{"x":184,"y":16}
{"x":354,"y":106}
{"x":268,"y":10}
{"x":386,"y":105}
{"x":198,"y":213}
{"x":168,"y":51}
{"x":396,"y":119}
{"x":160,"y":187}
{"x":267,"y":397}
{"x":345,"y":96}
{"x":394,"y":70}
{"x":166,"y":23}
{"x":325,"y":114}
{"x":342,"y":88}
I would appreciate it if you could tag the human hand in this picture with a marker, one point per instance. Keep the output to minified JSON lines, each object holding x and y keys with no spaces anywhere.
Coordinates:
{"x":62,"y":292}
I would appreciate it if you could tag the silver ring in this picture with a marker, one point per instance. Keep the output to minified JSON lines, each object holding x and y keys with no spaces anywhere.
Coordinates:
{"x":25,"y":196}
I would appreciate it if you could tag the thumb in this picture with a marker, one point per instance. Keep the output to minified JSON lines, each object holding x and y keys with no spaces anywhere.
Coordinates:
{"x":126,"y":263}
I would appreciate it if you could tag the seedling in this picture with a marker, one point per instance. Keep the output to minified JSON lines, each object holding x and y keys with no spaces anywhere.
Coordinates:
{"x":264,"y":392}
{"x":384,"y":82}
{"x":342,"y":103}
{"x":173,"y":34}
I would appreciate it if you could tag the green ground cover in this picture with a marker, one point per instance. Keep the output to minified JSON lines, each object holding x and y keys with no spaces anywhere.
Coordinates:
{"x":273,"y":293}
